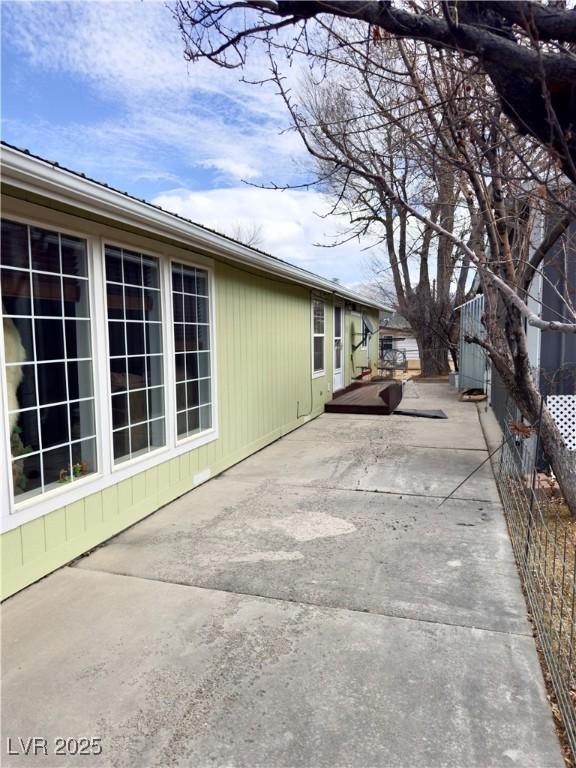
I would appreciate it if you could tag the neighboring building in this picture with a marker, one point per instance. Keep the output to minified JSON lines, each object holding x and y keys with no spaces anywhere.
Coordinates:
{"x":552,"y":355}
{"x":395,"y":333}
{"x":141,"y":355}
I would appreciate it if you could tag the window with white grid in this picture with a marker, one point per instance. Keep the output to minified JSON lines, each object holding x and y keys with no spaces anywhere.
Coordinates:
{"x":192,"y":349}
{"x":318,"y":334}
{"x":48,"y":358}
{"x":136,"y":354}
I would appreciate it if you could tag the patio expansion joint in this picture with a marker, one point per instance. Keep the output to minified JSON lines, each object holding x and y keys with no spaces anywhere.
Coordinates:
{"x":440,"y":497}
{"x":311,"y":604}
{"x":298,"y":439}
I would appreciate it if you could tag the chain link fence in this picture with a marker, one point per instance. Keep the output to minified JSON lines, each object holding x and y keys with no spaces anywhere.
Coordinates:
{"x":544,"y":541}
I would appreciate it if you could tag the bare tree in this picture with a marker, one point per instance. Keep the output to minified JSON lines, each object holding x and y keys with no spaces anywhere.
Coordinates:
{"x":355,"y":138}
{"x":480,"y":112}
{"x":246,"y":233}
{"x":524,"y":46}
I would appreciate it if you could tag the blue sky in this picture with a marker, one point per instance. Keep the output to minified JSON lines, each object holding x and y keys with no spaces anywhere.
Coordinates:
{"x":103,"y":88}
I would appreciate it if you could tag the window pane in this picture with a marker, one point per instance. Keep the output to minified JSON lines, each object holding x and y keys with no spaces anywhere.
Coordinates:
{"x":73,"y":251}
{"x":136,"y":361}
{"x":56,"y":466}
{"x":116,"y":338}
{"x":82,"y":419}
{"x":181,"y":423}
{"x":156,"y":402}
{"x":318,"y":317}
{"x":318,"y":353}
{"x":180,"y":367}
{"x":132,"y":268}
{"x":192,"y":333}
{"x":189,"y":280}
{"x":156,"y":433}
{"x":176,"y":278}
{"x":204,"y":385}
{"x":152,"y":305}
{"x":139,"y":439}
{"x":133,"y":302}
{"x":149,"y":272}
{"x":83,"y":457}
{"x":153,"y":338}
{"x":192,"y":366}
{"x":115,"y":301}
{"x":76,"y":301}
{"x":138,"y":406}
{"x":49,"y":339}
{"x":201,"y":282}
{"x":180,"y":397}
{"x":193,"y":420}
{"x":14,"y":250}
{"x":191,"y":338}
{"x":78,"y":338}
{"x":135,"y":338}
{"x":203,"y":337}
{"x":16,"y":292}
{"x":54,"y":425}
{"x":47,"y":295}
{"x":51,"y":383}
{"x":25,"y":438}
{"x":205,"y":417}
{"x":113,"y":264}
{"x":27,"y":476}
{"x":119,"y":411}
{"x":121,"y":444}
{"x":192,"y":394}
{"x":204,"y":364}
{"x":45,"y":250}
{"x":27,"y":389}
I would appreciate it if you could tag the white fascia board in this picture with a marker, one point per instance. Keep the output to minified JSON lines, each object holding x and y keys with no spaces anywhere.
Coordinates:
{"x":44,"y":178}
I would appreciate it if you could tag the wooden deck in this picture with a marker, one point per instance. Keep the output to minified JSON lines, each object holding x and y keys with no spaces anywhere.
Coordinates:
{"x":359,"y":398}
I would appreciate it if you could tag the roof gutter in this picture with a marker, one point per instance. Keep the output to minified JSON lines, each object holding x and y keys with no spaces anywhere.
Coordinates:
{"x":42,"y":177}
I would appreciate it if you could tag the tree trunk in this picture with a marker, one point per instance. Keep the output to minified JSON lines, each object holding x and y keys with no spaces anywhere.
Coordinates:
{"x":433,"y":353}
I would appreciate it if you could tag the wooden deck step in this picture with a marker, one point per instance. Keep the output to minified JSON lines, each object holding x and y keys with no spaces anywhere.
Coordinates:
{"x":366,"y":398}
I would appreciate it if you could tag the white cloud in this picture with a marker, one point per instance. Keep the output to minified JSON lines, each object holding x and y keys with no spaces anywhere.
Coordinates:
{"x":158,"y":121}
{"x":288,"y":223}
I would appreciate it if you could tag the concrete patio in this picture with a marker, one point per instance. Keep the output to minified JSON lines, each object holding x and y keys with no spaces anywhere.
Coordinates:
{"x":312,"y":607}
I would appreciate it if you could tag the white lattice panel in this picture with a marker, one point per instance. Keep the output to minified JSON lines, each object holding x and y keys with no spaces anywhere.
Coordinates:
{"x":563,"y":410}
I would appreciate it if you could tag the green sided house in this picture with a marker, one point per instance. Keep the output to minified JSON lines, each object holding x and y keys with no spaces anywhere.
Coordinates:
{"x":142,"y":354}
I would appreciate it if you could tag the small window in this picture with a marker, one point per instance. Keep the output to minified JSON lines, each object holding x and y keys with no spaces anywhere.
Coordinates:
{"x":48,"y":358}
{"x":136,"y":352}
{"x":318,"y":333}
{"x":386,"y":342}
{"x":367,"y":331}
{"x":192,"y":349}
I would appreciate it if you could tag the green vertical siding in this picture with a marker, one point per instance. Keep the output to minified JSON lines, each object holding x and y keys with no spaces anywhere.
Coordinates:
{"x":264,"y":390}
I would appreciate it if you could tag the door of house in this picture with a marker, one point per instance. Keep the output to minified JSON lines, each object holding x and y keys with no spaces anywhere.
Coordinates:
{"x":338,"y":357}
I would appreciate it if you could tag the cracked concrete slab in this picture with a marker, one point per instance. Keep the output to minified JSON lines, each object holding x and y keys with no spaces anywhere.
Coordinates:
{"x":403,"y":556}
{"x":167,"y":675}
{"x":366,"y":465}
{"x":462,"y":433}
{"x":312,"y":607}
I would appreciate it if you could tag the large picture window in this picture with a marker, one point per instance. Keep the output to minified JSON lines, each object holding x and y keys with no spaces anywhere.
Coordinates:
{"x":136,"y":352}
{"x":191,"y":304}
{"x":48,"y":355}
{"x":318,"y":333}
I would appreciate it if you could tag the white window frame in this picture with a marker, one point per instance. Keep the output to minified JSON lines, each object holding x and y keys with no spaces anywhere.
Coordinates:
{"x":316,"y":374}
{"x":195,"y":440}
{"x":15,"y":514}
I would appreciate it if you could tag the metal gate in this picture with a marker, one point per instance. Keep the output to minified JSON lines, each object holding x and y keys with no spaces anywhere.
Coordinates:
{"x":473,"y":364}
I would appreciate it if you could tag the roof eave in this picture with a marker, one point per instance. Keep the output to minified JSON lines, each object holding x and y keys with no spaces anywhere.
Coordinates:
{"x":44,"y":178}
